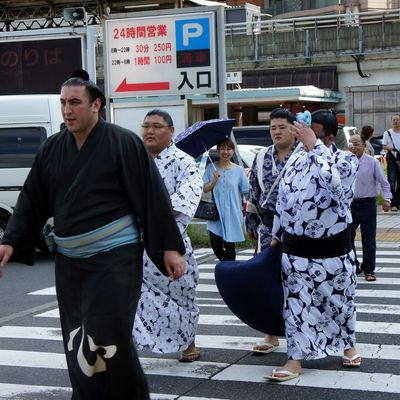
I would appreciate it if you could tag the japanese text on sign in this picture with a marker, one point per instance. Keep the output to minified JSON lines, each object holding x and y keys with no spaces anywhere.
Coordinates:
{"x":173,"y":55}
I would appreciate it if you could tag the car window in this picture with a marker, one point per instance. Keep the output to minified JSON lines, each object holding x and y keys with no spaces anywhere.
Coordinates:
{"x":18,"y":146}
{"x":252,"y":135}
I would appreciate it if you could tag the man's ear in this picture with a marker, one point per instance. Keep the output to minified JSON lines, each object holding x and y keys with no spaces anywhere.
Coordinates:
{"x":97,"y":105}
{"x":329,"y":140}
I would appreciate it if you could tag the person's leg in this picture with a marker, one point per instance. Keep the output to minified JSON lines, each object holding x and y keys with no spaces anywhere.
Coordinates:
{"x":97,"y":300}
{"x":353,"y":231}
{"x":368,"y":236}
{"x":397,"y":191}
{"x":217,"y":245}
{"x":230,"y":251}
{"x":392,"y":174}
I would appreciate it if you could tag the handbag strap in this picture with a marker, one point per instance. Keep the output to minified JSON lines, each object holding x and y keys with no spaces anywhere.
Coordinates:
{"x":391,"y":139}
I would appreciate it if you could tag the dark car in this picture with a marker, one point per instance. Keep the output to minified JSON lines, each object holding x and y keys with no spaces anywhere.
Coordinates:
{"x":257,"y":135}
{"x":376,"y":143}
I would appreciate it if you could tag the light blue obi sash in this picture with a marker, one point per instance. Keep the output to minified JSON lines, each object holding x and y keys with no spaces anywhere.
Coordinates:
{"x":116,"y":233}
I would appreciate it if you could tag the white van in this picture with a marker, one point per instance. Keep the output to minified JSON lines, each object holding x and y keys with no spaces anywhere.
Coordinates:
{"x":25,"y":122}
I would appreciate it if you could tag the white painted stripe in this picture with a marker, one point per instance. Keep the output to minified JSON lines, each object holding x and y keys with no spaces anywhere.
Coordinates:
{"x":361,"y":326}
{"x":381,"y":281}
{"x":394,"y":294}
{"x":206,"y":267}
{"x":212,"y":305}
{"x":389,"y":270}
{"x":341,"y":379}
{"x":55,"y":313}
{"x":374,"y":351}
{"x":50,"y":291}
{"x":207,"y":288}
{"x":210,"y":299}
{"x":212,"y":319}
{"x":378,"y":308}
{"x":30,"y":332}
{"x":172,"y":367}
{"x":32,"y":359}
{"x":380,"y":260}
{"x":205,"y":275}
{"x":8,"y":390}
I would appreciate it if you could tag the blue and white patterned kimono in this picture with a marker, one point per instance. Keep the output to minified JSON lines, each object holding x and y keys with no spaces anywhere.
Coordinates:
{"x":167,"y":314}
{"x":314,"y":199}
{"x":264,"y":199}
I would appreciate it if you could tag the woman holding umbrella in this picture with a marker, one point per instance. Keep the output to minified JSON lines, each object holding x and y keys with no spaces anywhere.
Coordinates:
{"x":227,"y":182}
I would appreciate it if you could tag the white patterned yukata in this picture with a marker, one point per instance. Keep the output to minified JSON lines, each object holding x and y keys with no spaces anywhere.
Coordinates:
{"x":167,"y":314}
{"x":314,"y":199}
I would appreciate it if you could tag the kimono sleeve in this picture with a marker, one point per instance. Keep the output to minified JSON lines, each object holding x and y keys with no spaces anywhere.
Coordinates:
{"x":150,"y":202}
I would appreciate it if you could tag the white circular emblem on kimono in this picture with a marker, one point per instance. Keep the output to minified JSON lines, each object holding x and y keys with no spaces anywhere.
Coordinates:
{"x":335,"y":229}
{"x":322,"y":198}
{"x":310,"y":190}
{"x":344,"y":167}
{"x":309,"y":211}
{"x":315,"y":229}
{"x":329,"y":217}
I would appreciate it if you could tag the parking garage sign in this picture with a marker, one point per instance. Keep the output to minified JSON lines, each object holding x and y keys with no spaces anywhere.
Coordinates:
{"x":172,"y":54}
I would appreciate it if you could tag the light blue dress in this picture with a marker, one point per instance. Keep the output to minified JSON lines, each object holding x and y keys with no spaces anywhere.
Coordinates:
{"x":228,"y":194}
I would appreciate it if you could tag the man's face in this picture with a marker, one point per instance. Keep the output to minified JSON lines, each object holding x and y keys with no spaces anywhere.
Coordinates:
{"x":396,"y":122}
{"x":356,"y":146}
{"x":79,"y":113}
{"x":156,"y":133}
{"x":281,"y":133}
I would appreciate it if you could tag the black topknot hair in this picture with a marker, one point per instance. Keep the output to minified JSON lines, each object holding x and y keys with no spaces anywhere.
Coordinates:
{"x":80,"y":73}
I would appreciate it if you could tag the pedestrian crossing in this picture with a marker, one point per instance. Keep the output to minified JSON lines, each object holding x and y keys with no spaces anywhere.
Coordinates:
{"x":33,"y":367}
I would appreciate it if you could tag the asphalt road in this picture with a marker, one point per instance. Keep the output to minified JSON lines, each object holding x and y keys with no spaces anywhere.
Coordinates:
{"x":32,"y":364}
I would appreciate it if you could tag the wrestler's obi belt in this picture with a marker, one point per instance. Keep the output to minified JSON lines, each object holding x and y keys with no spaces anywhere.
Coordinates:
{"x":253,"y":290}
{"x":115,"y":234}
{"x":327,"y":247}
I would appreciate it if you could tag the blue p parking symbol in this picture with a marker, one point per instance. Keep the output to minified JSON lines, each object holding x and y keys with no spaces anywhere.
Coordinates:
{"x":192,"y":42}
{"x":192,"y":34}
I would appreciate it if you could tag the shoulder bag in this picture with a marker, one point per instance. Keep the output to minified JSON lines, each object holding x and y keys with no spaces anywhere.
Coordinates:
{"x":207,"y":210}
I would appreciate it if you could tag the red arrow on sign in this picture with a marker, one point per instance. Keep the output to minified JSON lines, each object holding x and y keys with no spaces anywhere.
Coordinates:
{"x":139,"y":87}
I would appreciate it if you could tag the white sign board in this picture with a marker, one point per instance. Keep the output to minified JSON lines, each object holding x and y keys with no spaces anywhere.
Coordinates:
{"x":152,"y":56}
{"x":234,"y":77}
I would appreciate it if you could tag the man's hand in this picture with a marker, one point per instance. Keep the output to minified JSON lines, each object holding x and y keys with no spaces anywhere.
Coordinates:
{"x":6,"y":251}
{"x":386,"y":205}
{"x":305,"y":134}
{"x":174,"y":263}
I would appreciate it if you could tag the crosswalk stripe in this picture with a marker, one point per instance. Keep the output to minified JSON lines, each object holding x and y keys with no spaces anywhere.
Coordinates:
{"x":374,"y":351}
{"x":11,"y":390}
{"x":8,"y":391}
{"x":328,"y":379}
{"x":387,"y":328}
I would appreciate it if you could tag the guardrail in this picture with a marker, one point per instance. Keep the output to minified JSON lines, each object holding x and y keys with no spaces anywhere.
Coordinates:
{"x":338,"y":21}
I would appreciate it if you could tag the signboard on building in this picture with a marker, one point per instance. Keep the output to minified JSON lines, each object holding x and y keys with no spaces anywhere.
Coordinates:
{"x":38,"y":66}
{"x":234,"y":77}
{"x":161,"y":55}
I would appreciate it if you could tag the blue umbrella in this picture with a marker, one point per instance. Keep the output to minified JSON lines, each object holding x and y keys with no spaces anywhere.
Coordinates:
{"x":253,"y":290}
{"x":203,"y":135}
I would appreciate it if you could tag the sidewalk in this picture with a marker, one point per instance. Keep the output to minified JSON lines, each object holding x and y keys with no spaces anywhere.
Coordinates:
{"x":388,"y":229}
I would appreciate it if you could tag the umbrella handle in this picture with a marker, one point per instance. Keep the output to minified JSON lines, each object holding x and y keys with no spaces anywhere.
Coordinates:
{"x":208,"y":155}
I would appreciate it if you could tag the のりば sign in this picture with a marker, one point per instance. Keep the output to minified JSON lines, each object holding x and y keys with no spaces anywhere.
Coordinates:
{"x":173,"y":54}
